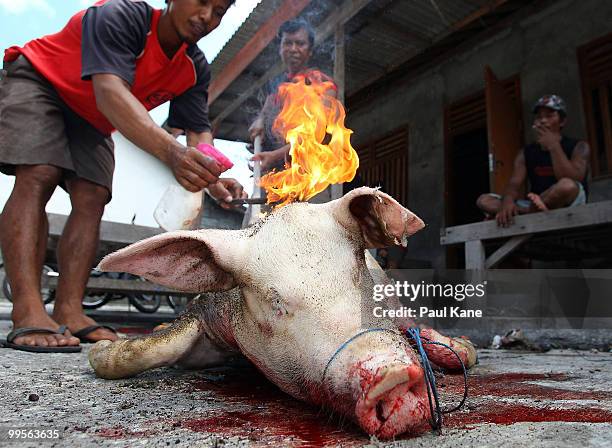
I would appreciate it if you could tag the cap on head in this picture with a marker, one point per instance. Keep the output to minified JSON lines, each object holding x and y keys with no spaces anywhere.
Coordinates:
{"x":554,"y":102}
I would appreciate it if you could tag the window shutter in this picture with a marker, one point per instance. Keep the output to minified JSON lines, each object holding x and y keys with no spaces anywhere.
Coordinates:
{"x":385,"y":162}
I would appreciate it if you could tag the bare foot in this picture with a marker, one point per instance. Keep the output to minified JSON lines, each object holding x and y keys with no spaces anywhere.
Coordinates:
{"x":42,"y":320}
{"x":78,"y":321}
{"x":537,"y":201}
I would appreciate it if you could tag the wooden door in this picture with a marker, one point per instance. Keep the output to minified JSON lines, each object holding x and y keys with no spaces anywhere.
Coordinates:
{"x":503,"y":129}
{"x":595,"y":60}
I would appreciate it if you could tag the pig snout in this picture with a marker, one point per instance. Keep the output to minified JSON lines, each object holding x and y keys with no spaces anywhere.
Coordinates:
{"x":386,"y":386}
{"x":392,"y":400}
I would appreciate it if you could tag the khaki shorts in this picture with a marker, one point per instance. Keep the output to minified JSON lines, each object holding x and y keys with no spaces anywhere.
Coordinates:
{"x":38,"y":128}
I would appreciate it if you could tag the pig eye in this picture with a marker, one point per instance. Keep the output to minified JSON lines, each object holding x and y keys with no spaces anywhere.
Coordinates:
{"x":276,"y":302}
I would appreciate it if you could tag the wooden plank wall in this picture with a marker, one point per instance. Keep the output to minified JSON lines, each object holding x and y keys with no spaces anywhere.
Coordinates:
{"x":385,"y":162}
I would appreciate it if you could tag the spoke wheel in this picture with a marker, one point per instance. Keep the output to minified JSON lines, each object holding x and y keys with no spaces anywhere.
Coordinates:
{"x":47,"y":293}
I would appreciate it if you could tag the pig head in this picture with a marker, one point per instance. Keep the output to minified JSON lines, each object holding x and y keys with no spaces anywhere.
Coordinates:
{"x":293,"y":294}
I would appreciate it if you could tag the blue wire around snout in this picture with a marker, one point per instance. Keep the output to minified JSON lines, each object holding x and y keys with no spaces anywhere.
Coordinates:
{"x":430,"y":380}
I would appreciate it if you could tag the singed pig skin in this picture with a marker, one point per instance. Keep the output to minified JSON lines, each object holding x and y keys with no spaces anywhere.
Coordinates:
{"x":287,"y":293}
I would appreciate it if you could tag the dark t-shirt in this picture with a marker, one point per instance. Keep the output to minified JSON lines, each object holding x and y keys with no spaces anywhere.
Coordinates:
{"x":114,"y":36}
{"x":539,"y":165}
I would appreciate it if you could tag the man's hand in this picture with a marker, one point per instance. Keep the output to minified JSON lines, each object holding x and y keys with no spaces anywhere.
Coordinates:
{"x":267,"y":159}
{"x":192,"y":169}
{"x":508,"y":211}
{"x":546,"y":138}
{"x":226,"y":190}
{"x":257,"y":128}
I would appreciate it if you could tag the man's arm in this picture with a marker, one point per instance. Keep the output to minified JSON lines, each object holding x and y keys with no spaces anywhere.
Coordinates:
{"x":257,"y":127}
{"x":192,"y":169}
{"x":329,"y":93}
{"x":511,"y":192}
{"x":270,"y":158}
{"x":575,"y":168}
{"x":519,"y":174}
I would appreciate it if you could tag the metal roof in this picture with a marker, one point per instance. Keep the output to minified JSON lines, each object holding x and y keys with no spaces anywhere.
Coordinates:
{"x":260,"y":14}
{"x":383,"y":38}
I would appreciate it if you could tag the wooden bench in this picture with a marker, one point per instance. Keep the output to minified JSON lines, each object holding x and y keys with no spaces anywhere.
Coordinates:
{"x":576,"y":232}
{"x":113,"y":236}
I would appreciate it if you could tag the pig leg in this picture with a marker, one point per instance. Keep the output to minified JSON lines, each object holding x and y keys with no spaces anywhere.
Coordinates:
{"x":442,"y":356}
{"x":125,"y":358}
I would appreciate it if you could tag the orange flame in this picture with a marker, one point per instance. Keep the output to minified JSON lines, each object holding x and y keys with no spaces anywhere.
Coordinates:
{"x":308,"y":118}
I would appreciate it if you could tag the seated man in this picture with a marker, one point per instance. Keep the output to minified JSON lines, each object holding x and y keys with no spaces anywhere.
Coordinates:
{"x":555,"y":165}
{"x":296,"y":46}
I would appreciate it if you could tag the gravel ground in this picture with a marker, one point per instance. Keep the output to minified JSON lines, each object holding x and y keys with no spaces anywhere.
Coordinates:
{"x":517,"y":399}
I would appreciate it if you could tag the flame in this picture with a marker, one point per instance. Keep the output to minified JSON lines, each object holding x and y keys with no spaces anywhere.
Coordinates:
{"x":309,"y":117}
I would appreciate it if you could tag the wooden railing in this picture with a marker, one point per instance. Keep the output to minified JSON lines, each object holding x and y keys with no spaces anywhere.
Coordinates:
{"x":586,"y":216}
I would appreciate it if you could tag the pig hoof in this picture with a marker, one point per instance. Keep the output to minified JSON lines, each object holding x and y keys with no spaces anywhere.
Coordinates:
{"x":469,"y":350}
{"x":98,"y":347}
{"x":99,"y":357}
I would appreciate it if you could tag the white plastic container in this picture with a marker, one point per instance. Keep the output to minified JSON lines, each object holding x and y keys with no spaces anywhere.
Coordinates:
{"x":178,"y":208}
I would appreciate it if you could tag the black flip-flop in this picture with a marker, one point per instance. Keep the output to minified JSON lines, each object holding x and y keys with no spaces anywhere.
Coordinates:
{"x":83,"y":332}
{"x":35,"y":348}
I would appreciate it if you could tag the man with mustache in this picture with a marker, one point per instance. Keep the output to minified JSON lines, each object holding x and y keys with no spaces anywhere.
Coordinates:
{"x":61,"y":96}
{"x":555,"y":165}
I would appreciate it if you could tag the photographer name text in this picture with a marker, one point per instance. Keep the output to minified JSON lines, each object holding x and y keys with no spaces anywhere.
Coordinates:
{"x":423,"y":311}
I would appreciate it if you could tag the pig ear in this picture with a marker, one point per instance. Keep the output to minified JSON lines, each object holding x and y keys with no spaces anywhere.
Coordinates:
{"x":190,"y":261}
{"x":379,"y":218}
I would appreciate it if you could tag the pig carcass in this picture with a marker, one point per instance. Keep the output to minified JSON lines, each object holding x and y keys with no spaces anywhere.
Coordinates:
{"x":288,"y":293}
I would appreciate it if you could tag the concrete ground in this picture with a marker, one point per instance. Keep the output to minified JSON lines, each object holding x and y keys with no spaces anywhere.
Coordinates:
{"x":516,"y":399}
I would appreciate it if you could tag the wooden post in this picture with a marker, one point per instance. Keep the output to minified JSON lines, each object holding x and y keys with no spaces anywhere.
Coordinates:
{"x":509,"y":246}
{"x":474,"y":255}
{"x":339,"y":77}
{"x":254,"y":210}
{"x":339,"y":66}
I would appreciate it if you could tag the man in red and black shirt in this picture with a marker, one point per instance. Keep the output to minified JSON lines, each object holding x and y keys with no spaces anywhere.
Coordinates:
{"x":61,"y":96}
{"x":555,"y":165}
{"x":295,"y":49}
